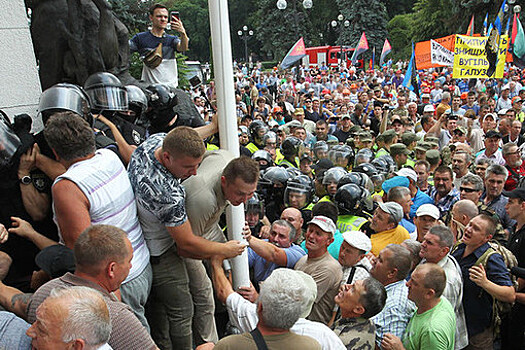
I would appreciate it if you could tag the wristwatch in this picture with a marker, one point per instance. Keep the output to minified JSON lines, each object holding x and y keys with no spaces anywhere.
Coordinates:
{"x":26,"y":180}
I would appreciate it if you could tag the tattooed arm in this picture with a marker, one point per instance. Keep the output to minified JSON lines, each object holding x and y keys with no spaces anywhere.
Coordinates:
{"x":14,"y":300}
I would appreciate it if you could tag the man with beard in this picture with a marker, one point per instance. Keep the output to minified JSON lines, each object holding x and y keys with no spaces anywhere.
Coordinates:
{"x":514,"y":165}
{"x":264,"y":256}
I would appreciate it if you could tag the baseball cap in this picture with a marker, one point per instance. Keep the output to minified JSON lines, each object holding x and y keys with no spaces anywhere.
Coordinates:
{"x":394,"y":182}
{"x":56,"y":260}
{"x":502,"y":111}
{"x":409,"y":137}
{"x":298,"y":111}
{"x":407,"y":172}
{"x":345,"y":116}
{"x":394,"y":209}
{"x":432,"y":155}
{"x":325,"y":224}
{"x":516,"y":193}
{"x":516,"y":99}
{"x":492,"y":133}
{"x":358,"y":239}
{"x":425,"y":96}
{"x":399,"y":148}
{"x":395,"y":119}
{"x":294,"y":124}
{"x":428,"y":209}
{"x":429,"y":108}
{"x":461,"y":129}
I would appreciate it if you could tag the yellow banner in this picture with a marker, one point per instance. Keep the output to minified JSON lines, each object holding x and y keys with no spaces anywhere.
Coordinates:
{"x":470,"y":57}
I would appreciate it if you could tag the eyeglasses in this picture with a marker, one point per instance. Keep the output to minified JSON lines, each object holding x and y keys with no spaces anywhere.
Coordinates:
{"x":307,"y":101}
{"x":468,"y":190}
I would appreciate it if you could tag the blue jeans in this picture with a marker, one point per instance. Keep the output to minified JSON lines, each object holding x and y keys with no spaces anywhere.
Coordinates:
{"x":170,"y":307}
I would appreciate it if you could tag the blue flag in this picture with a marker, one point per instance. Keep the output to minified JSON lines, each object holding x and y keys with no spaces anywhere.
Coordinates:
{"x":499,"y":17}
{"x":485,"y":24}
{"x":408,"y":82}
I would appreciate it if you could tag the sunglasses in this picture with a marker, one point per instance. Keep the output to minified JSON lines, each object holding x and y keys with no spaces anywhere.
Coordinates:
{"x":468,"y":190}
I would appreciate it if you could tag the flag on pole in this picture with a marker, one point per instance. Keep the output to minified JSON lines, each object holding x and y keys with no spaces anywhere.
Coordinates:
{"x":508,"y":27}
{"x":470,"y":29}
{"x":518,"y":52}
{"x":492,"y":46}
{"x":373,"y":59}
{"x":485,"y":24}
{"x":386,"y":50}
{"x":411,"y":76}
{"x":297,"y":52}
{"x":514,"y":28}
{"x":361,"y":47}
{"x":499,"y":18}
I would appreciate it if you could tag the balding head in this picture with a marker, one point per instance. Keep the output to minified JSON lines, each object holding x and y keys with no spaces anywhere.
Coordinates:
{"x":294,"y":217}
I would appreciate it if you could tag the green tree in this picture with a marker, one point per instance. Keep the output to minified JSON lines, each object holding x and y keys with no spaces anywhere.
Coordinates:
{"x":400,"y":36}
{"x":367,"y":16}
{"x":278,"y":30}
{"x":398,"y":7}
{"x":434,"y":19}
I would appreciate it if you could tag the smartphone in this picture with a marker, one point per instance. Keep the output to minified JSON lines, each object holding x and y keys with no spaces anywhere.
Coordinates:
{"x":175,"y":14}
{"x":195,"y":82}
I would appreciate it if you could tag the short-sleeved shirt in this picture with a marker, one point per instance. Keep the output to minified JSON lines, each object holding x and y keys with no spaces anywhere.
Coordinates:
{"x":356,"y":333}
{"x":126,"y":333}
{"x":477,"y":302}
{"x":380,"y":240}
{"x":243,"y":315}
{"x":327,"y":274}
{"x":432,"y":329}
{"x":396,"y":314}
{"x":445,"y":203}
{"x":160,"y":196}
{"x":205,"y":201}
{"x":166,"y":72}
{"x":286,"y":341}
{"x":13,"y":332}
{"x":263,"y":268}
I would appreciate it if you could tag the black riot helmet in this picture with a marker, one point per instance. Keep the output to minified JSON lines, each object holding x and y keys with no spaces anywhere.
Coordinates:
{"x":333,"y":175}
{"x":162,"y":101}
{"x":359,"y":179}
{"x":381,"y":165}
{"x":320,"y":150}
{"x":299,"y":185}
{"x":341,"y":155}
{"x":257,"y":131}
{"x":255,"y":204}
{"x":353,"y":200}
{"x":9,"y":143}
{"x":364,"y":155}
{"x":290,"y":146}
{"x":275,"y":176}
{"x":106,"y":93}
{"x":263,"y":158}
{"x":137,"y":103}
{"x":63,"y":97}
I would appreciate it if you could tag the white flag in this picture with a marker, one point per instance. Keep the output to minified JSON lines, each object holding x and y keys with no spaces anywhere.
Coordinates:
{"x":440,"y":55}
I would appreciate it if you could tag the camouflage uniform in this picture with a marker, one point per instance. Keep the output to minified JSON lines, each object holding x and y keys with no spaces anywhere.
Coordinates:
{"x":356,"y":333}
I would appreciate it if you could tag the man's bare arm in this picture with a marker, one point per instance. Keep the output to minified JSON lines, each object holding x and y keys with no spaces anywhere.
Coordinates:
{"x":14,"y":300}
{"x":221,"y":284}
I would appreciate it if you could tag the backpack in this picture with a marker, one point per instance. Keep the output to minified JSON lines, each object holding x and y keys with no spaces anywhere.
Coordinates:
{"x":499,"y":308}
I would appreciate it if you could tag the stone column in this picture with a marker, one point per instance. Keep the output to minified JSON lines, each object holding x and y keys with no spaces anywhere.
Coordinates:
{"x":19,"y":81}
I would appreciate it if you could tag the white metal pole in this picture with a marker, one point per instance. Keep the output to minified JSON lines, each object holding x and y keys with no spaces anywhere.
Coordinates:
{"x":225,"y":90}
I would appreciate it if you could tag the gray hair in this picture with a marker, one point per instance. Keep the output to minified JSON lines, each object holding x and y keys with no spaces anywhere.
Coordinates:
{"x":69,"y":136}
{"x":414,"y":247}
{"x":497,"y":169}
{"x":401,"y":260}
{"x":475,"y":180}
{"x":397,"y":193}
{"x":446,"y":95}
{"x":87,"y":315}
{"x":506,"y":147}
{"x":487,"y":161}
{"x":466,"y":156}
{"x":283,"y":296}
{"x":445,"y":235}
{"x":286,"y":224}
{"x":467,"y":207}
{"x":373,"y":298}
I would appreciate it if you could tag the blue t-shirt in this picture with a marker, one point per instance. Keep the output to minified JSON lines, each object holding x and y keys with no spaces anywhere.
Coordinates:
{"x":262,"y":268}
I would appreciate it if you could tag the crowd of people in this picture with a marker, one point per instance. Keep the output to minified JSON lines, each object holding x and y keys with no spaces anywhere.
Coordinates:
{"x":376,"y":216}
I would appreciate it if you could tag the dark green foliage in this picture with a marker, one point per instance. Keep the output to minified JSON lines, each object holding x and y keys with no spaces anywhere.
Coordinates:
{"x":399,"y":35}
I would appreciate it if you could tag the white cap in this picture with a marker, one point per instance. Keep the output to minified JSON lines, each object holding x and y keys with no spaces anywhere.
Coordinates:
{"x":358,"y":239}
{"x":324,"y":223}
{"x":429,"y":108}
{"x":502,"y":111}
{"x":407,"y":172}
{"x":428,"y":209}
